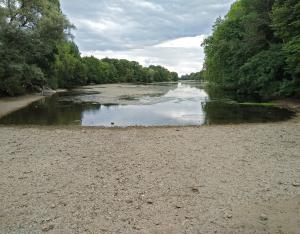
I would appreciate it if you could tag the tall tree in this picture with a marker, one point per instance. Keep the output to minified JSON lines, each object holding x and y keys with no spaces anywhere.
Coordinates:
{"x":29,"y":33}
{"x":254,"y":50}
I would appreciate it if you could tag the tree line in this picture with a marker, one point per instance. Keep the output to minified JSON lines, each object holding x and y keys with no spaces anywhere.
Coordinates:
{"x":198,"y":76}
{"x":37,"y":50}
{"x":255,"y":49}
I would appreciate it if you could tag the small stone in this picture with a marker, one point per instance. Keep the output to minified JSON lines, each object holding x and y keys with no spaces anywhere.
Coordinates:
{"x":150,"y":202}
{"x":178,"y":206}
{"x":229,"y":216}
{"x":137,"y":227}
{"x":27,"y":172}
{"x":157,"y":223}
{"x":195,"y":190}
{"x":263,"y":217}
{"x":48,"y":228}
{"x":295,"y":184}
{"x":53,"y":206}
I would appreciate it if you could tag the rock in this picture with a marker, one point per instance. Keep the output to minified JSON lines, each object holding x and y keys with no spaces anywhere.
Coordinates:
{"x":150,"y":202}
{"x":48,"y":228}
{"x":27,"y":172}
{"x":263,"y":217}
{"x":296,"y":184}
{"x":229,"y":216}
{"x":195,"y":190}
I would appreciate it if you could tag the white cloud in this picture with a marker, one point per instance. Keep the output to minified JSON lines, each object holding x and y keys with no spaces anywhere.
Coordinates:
{"x":98,"y":26}
{"x":145,"y":4}
{"x":174,"y":55}
{"x":184,"y":42}
{"x":159,"y":32}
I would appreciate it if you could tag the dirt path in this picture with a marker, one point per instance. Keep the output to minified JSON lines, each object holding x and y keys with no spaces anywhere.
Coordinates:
{"x":8,"y":105}
{"x":221,"y":179}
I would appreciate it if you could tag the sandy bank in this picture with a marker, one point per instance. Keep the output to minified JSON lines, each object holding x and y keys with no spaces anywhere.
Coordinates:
{"x":8,"y":105}
{"x":220,"y":179}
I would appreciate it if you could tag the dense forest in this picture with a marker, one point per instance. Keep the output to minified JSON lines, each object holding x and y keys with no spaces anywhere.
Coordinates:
{"x":37,"y":50}
{"x":255,"y":49}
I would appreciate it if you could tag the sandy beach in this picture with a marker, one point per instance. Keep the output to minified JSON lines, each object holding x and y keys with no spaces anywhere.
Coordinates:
{"x":11,"y":104}
{"x":219,"y":179}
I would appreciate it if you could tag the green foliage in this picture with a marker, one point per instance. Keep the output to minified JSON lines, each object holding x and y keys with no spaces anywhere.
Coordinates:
{"x":29,"y":32}
{"x":36,"y":51}
{"x":119,"y":71}
{"x":255,"y":49}
{"x":199,"y":76}
{"x":68,"y":67}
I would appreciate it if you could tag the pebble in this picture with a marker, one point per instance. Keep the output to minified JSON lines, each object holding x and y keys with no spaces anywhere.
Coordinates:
{"x":295,"y":184}
{"x":48,"y":228}
{"x":195,"y":190}
{"x":263,"y":217}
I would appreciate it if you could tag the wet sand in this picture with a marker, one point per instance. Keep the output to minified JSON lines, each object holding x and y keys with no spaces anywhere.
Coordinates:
{"x":218,"y":179}
{"x":11,"y":104}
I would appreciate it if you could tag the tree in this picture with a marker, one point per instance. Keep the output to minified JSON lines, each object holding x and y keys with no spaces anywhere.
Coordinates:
{"x":29,"y":31}
{"x":254,"y":50}
{"x":69,"y":70}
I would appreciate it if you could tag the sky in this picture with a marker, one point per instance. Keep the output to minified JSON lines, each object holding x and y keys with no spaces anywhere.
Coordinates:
{"x":159,"y":32}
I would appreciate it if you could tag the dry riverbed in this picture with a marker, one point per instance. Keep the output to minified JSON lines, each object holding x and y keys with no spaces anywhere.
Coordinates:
{"x":219,"y":179}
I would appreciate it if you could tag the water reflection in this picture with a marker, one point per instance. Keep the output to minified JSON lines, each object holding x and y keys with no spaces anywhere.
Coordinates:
{"x":172,"y":104}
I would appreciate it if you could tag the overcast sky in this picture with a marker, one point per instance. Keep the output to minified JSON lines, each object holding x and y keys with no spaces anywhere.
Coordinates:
{"x":159,"y":32}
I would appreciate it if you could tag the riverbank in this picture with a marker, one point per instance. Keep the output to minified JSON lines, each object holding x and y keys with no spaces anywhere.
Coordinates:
{"x":218,"y":179}
{"x":11,"y":104}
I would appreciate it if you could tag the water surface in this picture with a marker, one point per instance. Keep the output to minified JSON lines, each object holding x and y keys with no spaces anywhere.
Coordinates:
{"x":160,"y":104}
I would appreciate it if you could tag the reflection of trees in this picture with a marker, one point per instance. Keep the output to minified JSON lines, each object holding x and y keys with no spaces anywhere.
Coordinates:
{"x":50,"y":112}
{"x":225,"y":113}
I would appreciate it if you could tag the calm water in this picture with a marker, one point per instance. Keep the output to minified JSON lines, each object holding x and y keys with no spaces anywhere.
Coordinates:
{"x":154,"y":105}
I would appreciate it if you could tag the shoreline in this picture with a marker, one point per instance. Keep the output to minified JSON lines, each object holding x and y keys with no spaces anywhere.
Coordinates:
{"x":11,"y":104}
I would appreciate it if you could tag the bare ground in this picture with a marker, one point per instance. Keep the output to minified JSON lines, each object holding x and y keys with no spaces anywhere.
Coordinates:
{"x":220,"y":179}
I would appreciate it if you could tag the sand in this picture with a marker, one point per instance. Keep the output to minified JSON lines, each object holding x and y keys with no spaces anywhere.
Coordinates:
{"x":8,"y":105}
{"x":218,"y":179}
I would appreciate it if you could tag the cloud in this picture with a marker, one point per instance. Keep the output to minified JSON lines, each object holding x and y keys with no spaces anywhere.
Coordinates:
{"x":162,"y":32}
{"x":184,"y":42}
